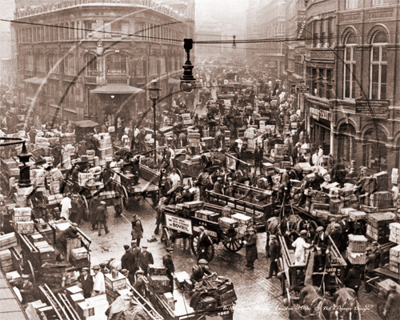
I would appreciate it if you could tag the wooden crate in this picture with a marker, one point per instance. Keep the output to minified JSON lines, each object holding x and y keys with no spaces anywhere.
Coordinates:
{"x":85,"y":309}
{"x":116,"y":284}
{"x":357,"y":243}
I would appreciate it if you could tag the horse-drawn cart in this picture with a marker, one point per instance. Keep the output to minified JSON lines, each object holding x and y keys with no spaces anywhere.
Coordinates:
{"x":300,"y":275}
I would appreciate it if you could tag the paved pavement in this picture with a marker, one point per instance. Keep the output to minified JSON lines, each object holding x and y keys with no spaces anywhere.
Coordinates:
{"x":258,"y":298}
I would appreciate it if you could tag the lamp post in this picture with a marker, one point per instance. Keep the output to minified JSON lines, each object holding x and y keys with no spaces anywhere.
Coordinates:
{"x":154,"y":93}
{"x":188,"y":82}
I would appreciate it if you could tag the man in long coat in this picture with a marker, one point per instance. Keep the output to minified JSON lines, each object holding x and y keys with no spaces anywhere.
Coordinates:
{"x":145,"y":259}
{"x":168,"y":263}
{"x":101,"y":217}
{"x":128,"y":263}
{"x":202,"y":244}
{"x":137,"y":229}
{"x":86,"y":281}
{"x":274,"y":253}
{"x":251,"y":248}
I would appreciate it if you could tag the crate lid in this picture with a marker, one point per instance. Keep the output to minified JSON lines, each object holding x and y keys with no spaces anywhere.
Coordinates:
{"x":396,"y":248}
{"x":394,"y":225}
{"x":381,"y":216}
{"x":240,"y":216}
{"x":358,"y":238}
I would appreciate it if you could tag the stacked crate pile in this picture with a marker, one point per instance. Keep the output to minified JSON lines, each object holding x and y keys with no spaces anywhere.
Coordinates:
{"x":394,"y":235}
{"x":357,"y":249}
{"x":187,"y":121}
{"x":244,"y":222}
{"x":6,"y":263}
{"x":394,"y":259}
{"x":227,"y":223}
{"x":52,"y":273}
{"x":191,"y":207}
{"x":105,"y":147}
{"x":114,"y":283}
{"x":22,"y":221}
{"x":75,"y":296}
{"x":378,"y":226}
{"x":207,"y":215}
{"x":194,"y":139}
{"x":67,"y":138}
{"x":158,"y":280}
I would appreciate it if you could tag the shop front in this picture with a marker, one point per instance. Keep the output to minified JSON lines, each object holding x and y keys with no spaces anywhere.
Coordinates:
{"x":320,"y":127}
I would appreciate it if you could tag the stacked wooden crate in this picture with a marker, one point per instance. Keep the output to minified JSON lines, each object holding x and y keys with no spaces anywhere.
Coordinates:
{"x":22,"y":220}
{"x":243,"y":221}
{"x":357,"y":249}
{"x":6,"y":261}
{"x":8,"y":241}
{"x":158,"y":280}
{"x":378,"y":226}
{"x":394,"y":235}
{"x":113,"y":285}
{"x":394,"y":259}
{"x":194,"y":139}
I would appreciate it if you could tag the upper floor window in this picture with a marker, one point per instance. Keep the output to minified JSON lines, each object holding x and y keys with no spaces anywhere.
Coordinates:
{"x":116,"y":65}
{"x":41,"y":63}
{"x":91,"y":65}
{"x":378,"y":71}
{"x":88,"y":28}
{"x":379,"y":2}
{"x":352,"y":4}
{"x":349,"y":67}
{"x":69,"y":65}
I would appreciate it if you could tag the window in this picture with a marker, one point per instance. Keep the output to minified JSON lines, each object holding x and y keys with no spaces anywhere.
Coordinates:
{"x":69,"y":99}
{"x":91,"y":65}
{"x":116,"y":65}
{"x":379,"y":2}
{"x":352,"y":4}
{"x":153,"y":65}
{"x":29,"y":62}
{"x":378,"y":72}
{"x":349,"y":67}
{"x":41,"y":63}
{"x":69,"y":65}
{"x":52,"y":61}
{"x":116,"y":28}
{"x":88,"y":26}
{"x":314,"y":82}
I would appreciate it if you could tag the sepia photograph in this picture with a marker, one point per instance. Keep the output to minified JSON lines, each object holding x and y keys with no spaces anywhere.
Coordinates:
{"x":199,"y":159}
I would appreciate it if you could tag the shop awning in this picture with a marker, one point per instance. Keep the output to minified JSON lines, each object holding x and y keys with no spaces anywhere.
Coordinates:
{"x":174,"y":81}
{"x":35,"y":80}
{"x":86,"y":124}
{"x":117,"y":89}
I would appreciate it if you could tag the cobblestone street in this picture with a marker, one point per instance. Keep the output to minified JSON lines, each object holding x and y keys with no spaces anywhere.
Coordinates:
{"x":258,"y":298}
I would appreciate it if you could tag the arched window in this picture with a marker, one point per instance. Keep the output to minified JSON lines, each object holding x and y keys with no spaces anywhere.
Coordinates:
{"x":116,"y":65}
{"x":346,"y":142}
{"x":378,"y":73}
{"x":374,"y":150}
{"x":349,"y":67}
{"x":91,"y":65}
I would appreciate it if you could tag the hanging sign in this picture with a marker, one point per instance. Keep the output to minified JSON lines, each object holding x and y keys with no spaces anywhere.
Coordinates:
{"x":178,"y":224}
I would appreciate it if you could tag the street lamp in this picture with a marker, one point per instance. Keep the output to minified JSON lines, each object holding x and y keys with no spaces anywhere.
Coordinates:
{"x":188,"y":82}
{"x":154,"y":94}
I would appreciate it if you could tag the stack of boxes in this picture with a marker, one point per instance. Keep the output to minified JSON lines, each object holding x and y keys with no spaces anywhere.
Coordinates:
{"x":85,"y":310}
{"x":394,"y":229}
{"x":84,"y":177}
{"x":105,"y":147}
{"x":158,"y":280}
{"x":79,"y":257}
{"x":75,"y":296}
{"x":22,"y":221}
{"x":207,"y":215}
{"x":9,"y":167}
{"x":226,"y":224}
{"x":243,"y":223}
{"x":378,"y":226}
{"x":6,"y":261}
{"x":277,"y":154}
{"x":67,"y":138}
{"x":194,"y":139}
{"x":8,"y":241}
{"x":186,"y":119}
{"x":208,"y":141}
{"x":357,"y":249}
{"x":113,"y":285}
{"x":394,"y":259}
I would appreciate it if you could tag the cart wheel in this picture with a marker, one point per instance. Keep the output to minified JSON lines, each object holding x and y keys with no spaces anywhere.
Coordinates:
{"x":233,"y":244}
{"x":209,"y":251}
{"x":31,"y":271}
{"x":165,"y":237}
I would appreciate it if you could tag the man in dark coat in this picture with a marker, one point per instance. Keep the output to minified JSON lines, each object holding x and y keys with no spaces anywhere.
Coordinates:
{"x":251,"y":248}
{"x":274,"y":253}
{"x":369,"y":268}
{"x":135,"y":251}
{"x":86,"y":281}
{"x":101,"y":217}
{"x":218,"y":186}
{"x":202,"y":244}
{"x":353,"y":278}
{"x":128,"y":263}
{"x":320,"y":244}
{"x":145,"y":258}
{"x":137,"y":229}
{"x":61,"y":239}
{"x":258,"y":156}
{"x":168,"y":263}
{"x":392,"y":306}
{"x":26,"y":288}
{"x":199,"y":271}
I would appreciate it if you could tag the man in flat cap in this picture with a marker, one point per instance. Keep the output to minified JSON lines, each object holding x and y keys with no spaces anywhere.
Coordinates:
{"x":140,"y":284}
{"x":128,"y":263}
{"x":199,"y":270}
{"x":86,"y":282}
{"x":26,"y":289}
{"x":137,"y":229}
{"x":101,"y":217}
{"x":145,"y":258}
{"x":392,"y":306}
{"x":274,"y":254}
{"x":168,"y":263}
{"x":203,"y":243}
{"x":99,"y":286}
{"x":320,"y":245}
{"x":250,"y":242}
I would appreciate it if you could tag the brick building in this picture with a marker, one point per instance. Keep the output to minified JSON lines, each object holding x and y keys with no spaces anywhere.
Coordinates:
{"x":93,"y":59}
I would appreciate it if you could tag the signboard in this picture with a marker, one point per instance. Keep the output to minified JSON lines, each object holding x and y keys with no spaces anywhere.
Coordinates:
{"x":301,"y":24}
{"x":322,"y":55}
{"x":320,"y":114}
{"x":375,"y":108}
{"x":178,"y":224}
